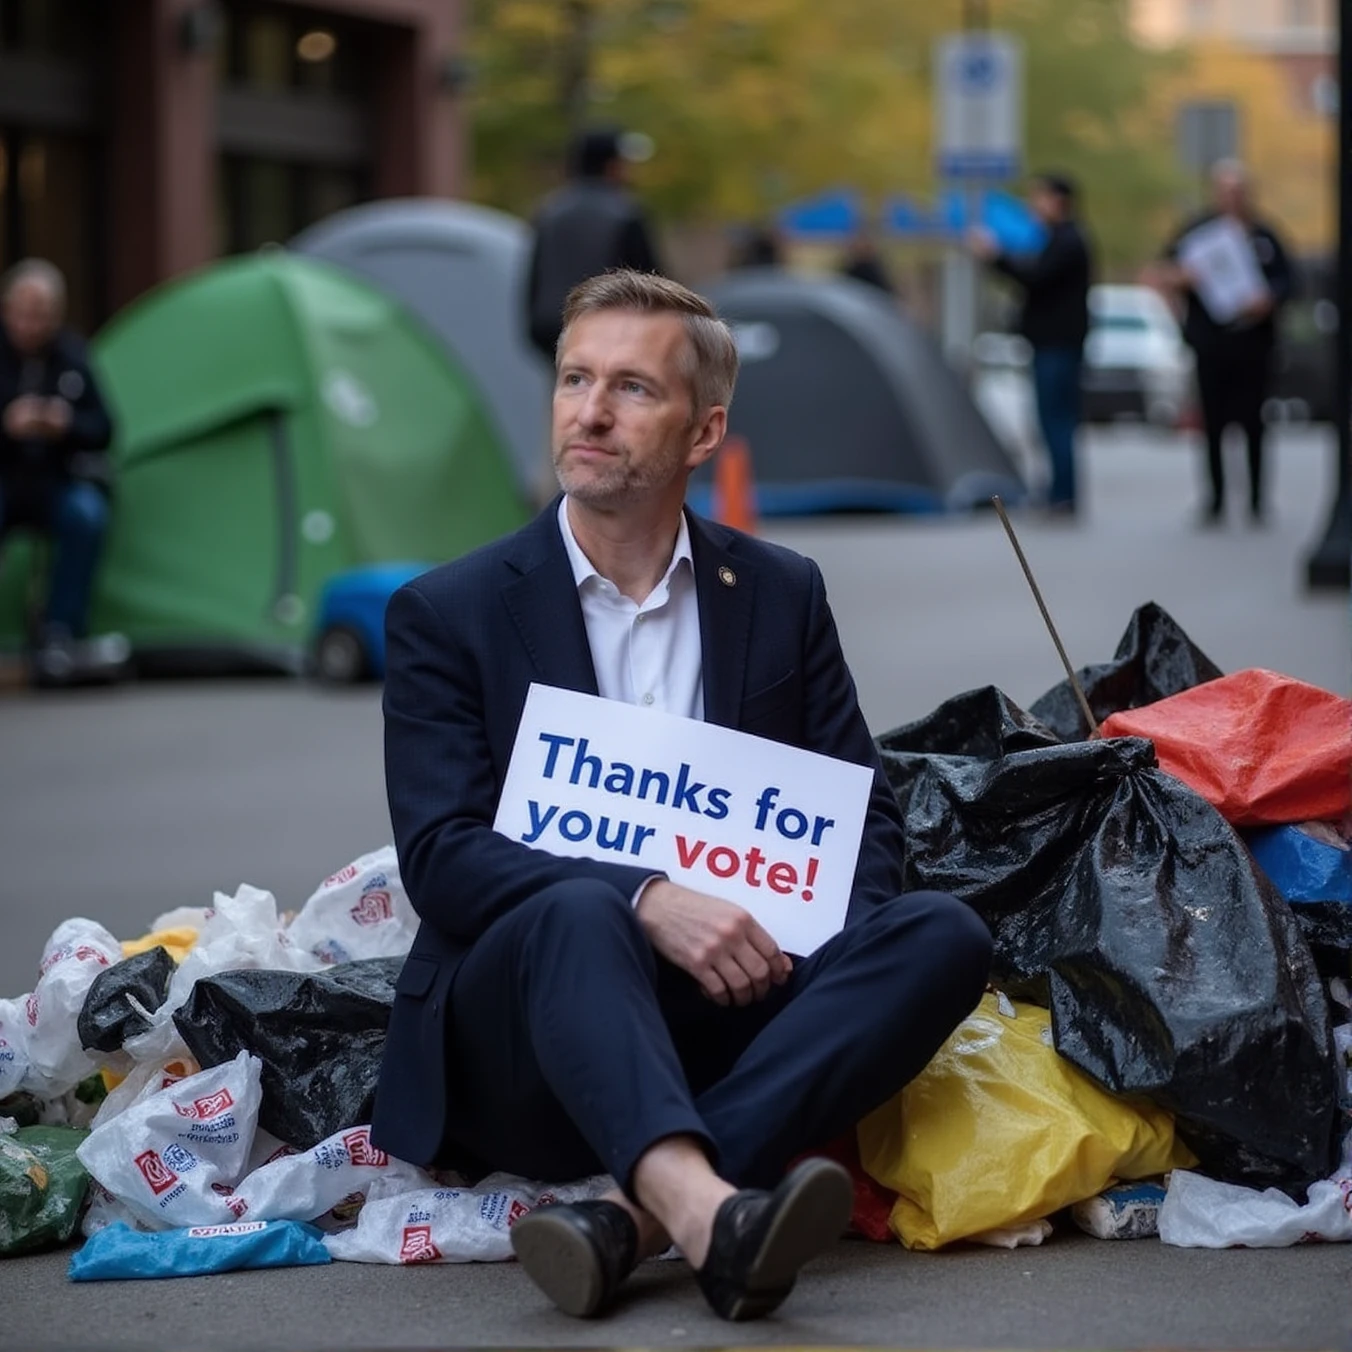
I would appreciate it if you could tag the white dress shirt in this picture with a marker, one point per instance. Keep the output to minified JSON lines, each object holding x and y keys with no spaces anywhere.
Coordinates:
{"x":645,"y":654}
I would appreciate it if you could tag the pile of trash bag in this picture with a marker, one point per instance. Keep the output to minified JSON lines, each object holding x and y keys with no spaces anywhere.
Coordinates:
{"x":210,"y":1082}
{"x":1123,"y":897}
{"x":214,"y":1091}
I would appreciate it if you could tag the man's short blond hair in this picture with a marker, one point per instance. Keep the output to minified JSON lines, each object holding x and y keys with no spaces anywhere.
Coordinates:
{"x":711,"y":354}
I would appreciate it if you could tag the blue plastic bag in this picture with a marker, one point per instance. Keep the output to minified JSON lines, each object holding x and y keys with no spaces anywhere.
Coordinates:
{"x":1303,"y":868}
{"x":118,"y":1251}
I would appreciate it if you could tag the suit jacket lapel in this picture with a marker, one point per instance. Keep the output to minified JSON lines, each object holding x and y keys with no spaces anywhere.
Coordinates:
{"x":541,"y":597}
{"x":725,"y":584}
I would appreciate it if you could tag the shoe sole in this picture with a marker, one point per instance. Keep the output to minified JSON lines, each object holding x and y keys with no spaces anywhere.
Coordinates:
{"x":811,"y":1219}
{"x":561,"y":1262}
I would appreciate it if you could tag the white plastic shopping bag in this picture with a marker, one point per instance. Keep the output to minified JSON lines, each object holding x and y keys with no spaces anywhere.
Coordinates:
{"x":1201,"y":1213}
{"x":141,"y":1083}
{"x":13,"y":1045}
{"x":173,"y":1158}
{"x":449,"y":1225}
{"x":362,"y":911}
{"x":76,"y":953}
{"x":304,"y":1186}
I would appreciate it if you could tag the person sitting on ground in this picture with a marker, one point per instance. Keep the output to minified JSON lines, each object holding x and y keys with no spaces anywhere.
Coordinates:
{"x":559,"y":1017}
{"x":54,"y":431}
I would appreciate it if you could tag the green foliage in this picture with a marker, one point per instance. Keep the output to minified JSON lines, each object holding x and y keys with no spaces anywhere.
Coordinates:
{"x":756,"y":103}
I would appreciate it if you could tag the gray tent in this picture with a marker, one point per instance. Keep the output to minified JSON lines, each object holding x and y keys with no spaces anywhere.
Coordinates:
{"x":848,"y":406}
{"x":462,"y":270}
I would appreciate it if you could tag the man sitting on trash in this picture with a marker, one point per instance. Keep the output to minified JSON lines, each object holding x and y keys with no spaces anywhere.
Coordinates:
{"x":54,"y":431}
{"x":558,"y":1017}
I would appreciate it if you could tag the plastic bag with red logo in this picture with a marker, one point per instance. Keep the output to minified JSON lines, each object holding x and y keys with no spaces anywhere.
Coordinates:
{"x":449,"y":1225}
{"x":1259,"y":747}
{"x":173,"y":1158}
{"x":362,"y":911}
{"x":320,"y":1036}
{"x":303,"y":1186}
{"x":13,"y":1046}
{"x":141,"y":1083}
{"x":75,"y":954}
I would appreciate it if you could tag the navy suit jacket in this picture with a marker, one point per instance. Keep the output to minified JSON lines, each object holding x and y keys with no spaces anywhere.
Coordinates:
{"x":465,"y":641}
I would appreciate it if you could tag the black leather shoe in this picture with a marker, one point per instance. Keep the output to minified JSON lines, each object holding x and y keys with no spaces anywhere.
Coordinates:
{"x":577,"y":1253}
{"x":761,"y":1239}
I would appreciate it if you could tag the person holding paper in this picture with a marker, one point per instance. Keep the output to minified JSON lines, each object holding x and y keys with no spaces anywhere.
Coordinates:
{"x":559,"y":1017}
{"x":1055,"y":281}
{"x":1230,"y":313}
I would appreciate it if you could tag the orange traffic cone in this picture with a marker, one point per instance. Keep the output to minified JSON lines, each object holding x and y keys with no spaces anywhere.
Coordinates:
{"x":734,"y":486}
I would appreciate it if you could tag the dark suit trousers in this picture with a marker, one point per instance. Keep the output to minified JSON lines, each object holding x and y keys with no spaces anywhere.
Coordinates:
{"x":574,"y":1047}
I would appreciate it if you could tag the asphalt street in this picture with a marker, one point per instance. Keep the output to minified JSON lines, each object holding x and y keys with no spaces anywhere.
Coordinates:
{"x":122,"y":804}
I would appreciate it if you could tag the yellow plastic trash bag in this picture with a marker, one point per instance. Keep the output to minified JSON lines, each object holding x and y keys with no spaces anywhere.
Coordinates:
{"x":999,"y":1129}
{"x":179,"y":941}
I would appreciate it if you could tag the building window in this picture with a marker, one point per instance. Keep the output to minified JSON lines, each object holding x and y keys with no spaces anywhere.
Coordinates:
{"x":294,"y":122}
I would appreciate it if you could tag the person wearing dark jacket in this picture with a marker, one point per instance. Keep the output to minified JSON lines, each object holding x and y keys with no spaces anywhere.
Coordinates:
{"x":54,"y":433}
{"x":1234,"y":359}
{"x":591,"y":224}
{"x":559,"y":1017}
{"x":1054,"y":319}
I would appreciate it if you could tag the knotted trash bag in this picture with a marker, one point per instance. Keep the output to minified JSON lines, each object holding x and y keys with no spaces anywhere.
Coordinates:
{"x":1155,"y":659}
{"x":108,"y":1017}
{"x":1123,"y":901}
{"x":320,"y":1036}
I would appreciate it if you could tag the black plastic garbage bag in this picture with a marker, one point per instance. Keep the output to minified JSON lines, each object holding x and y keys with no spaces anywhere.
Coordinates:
{"x":107,"y":1017}
{"x":1126,"y":903}
{"x":1154,"y":660}
{"x":319,"y":1035}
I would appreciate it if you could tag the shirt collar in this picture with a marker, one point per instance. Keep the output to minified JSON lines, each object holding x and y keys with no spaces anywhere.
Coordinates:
{"x":582,"y":565}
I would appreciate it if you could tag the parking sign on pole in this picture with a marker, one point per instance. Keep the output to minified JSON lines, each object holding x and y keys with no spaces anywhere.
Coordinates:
{"x":978,"y":106}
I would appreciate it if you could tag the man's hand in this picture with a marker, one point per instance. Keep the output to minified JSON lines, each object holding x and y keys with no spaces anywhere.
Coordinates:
{"x":56,"y":417}
{"x":1258,"y":308}
{"x":23,"y":417}
{"x":719,"y":944}
{"x":982,"y":243}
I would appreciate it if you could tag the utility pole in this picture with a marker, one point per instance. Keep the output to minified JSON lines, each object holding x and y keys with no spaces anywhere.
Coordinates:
{"x":1330,"y":565}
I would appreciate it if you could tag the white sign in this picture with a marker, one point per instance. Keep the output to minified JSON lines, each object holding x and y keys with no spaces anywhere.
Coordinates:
{"x":770,"y":827}
{"x":1226,"y":274}
{"x":978,"y":106}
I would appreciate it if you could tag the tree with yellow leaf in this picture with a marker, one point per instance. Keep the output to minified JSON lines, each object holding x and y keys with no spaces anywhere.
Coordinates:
{"x":756,"y":103}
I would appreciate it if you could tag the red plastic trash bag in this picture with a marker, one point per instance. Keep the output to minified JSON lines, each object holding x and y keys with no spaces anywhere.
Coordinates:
{"x":1261,"y":748}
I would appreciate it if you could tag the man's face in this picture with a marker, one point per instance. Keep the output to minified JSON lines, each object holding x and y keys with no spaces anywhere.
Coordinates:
{"x":31,"y":317}
{"x":1045,"y":204}
{"x":1231,"y":194}
{"x":624,"y":429}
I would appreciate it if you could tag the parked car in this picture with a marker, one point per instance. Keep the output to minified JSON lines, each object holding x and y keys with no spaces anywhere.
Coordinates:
{"x":349,"y":644}
{"x":1136,"y":364}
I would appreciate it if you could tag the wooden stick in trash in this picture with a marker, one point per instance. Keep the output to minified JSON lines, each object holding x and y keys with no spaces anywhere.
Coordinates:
{"x":1051,"y":628}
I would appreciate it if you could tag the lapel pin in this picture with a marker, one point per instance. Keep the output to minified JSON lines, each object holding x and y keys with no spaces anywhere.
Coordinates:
{"x":727,"y":577}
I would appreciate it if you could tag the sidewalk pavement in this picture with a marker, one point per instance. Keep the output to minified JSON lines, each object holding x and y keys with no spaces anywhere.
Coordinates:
{"x":122,"y":804}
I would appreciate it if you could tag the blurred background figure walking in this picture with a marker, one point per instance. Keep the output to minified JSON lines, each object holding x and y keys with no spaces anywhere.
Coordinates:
{"x":1232,"y":283}
{"x":593,"y":223}
{"x":54,"y":474}
{"x":864,"y":263}
{"x":1054,"y":318}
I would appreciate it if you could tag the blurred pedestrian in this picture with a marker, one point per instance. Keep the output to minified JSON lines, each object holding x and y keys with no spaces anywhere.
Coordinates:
{"x":760,"y":246}
{"x":54,"y":431}
{"x":1054,"y":319}
{"x":1234,"y":354}
{"x":590,"y":225}
{"x":864,"y":263}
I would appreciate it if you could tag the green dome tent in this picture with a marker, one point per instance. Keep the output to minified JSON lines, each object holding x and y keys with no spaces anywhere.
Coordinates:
{"x":279,"y":422}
